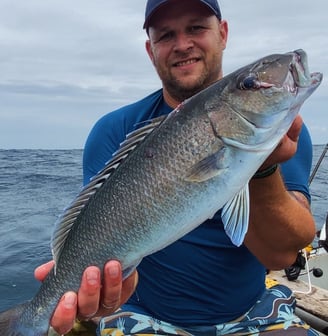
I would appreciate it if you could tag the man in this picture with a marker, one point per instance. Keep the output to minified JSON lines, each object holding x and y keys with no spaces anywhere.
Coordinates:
{"x":201,"y":283}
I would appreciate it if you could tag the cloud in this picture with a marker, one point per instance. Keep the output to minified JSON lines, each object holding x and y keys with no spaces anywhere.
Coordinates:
{"x":64,"y":64}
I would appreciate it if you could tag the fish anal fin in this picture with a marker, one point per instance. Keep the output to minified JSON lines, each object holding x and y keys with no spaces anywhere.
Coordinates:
{"x":235,"y":216}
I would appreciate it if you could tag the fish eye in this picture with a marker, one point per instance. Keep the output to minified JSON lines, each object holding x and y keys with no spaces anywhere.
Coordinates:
{"x":249,"y":82}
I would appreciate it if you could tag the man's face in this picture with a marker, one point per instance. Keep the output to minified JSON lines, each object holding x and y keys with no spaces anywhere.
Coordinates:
{"x":186,"y":43}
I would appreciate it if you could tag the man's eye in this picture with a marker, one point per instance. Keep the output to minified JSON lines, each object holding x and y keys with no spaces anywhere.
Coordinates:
{"x":166,"y":37}
{"x":195,"y":29}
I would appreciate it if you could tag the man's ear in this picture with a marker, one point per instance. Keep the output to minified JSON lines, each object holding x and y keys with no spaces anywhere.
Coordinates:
{"x":149,"y":50}
{"x":224,"y":30}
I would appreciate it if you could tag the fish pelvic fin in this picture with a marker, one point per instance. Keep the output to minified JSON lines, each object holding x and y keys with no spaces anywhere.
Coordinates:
{"x":235,"y":216}
{"x":11,"y":324}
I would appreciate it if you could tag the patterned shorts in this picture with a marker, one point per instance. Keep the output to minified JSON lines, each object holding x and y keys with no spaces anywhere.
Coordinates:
{"x":273,"y":314}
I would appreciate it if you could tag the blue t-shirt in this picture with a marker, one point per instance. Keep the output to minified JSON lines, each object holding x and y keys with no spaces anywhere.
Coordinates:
{"x":202,"y":278}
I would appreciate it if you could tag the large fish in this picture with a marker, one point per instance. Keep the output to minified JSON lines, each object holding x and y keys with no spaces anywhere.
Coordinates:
{"x":170,"y":176}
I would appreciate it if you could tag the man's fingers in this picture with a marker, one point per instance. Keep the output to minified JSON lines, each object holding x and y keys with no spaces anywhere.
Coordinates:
{"x":111,"y":295}
{"x":64,"y":316}
{"x":116,"y":292}
{"x":287,"y":147}
{"x":89,"y":293}
{"x":87,"y":302}
{"x":295,"y":130}
{"x":41,"y":272}
{"x":92,"y":299}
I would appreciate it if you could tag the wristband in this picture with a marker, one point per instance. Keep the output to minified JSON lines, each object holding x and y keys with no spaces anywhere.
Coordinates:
{"x":265,"y":172}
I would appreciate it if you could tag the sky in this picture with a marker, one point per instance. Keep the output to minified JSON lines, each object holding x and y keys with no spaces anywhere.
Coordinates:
{"x":64,"y":64}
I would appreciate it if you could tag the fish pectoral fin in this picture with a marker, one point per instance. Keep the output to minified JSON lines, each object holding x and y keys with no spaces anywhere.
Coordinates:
{"x":207,"y":168}
{"x":235,"y":216}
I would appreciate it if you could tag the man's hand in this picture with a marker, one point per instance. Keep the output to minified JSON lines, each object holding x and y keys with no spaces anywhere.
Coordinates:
{"x":94,"y":298}
{"x":287,"y":146}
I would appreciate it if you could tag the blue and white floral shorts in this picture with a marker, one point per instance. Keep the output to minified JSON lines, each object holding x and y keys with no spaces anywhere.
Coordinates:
{"x":273,"y":314}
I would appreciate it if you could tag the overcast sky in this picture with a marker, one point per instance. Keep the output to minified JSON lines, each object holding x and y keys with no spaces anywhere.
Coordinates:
{"x":65,"y":63}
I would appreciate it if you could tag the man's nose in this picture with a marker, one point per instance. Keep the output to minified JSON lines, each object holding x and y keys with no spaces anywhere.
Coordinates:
{"x":183,"y":42}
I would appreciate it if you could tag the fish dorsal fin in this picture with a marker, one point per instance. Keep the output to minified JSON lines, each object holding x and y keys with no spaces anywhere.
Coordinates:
{"x":68,"y":218}
{"x":235,"y":216}
{"x":135,"y":137}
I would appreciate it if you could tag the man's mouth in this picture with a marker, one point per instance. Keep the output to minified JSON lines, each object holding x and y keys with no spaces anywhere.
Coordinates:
{"x":185,"y":63}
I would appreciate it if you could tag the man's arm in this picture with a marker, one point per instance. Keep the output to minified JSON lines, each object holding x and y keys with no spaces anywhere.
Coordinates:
{"x":280,"y":221}
{"x":280,"y":224}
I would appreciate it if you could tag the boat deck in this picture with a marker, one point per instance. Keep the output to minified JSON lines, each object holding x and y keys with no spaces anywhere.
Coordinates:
{"x":312,"y":305}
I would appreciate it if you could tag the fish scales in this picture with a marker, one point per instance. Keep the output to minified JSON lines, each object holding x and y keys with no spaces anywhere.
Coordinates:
{"x":152,"y":171}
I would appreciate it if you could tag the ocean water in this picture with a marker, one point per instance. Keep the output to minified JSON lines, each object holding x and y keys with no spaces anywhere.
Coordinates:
{"x":35,"y":187}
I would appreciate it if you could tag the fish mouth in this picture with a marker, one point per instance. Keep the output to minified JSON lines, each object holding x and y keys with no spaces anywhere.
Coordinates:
{"x":300,"y":69}
{"x":299,"y":76}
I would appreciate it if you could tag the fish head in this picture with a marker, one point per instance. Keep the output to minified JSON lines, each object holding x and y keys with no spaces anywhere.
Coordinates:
{"x":264,"y":98}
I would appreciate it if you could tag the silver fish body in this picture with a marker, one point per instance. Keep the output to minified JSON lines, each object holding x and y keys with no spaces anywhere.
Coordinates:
{"x":170,"y":176}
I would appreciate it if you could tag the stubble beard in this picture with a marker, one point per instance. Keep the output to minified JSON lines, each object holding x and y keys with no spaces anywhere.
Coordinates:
{"x":180,"y":90}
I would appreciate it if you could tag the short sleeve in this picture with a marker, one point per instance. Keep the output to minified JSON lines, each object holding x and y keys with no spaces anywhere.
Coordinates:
{"x":296,"y":171}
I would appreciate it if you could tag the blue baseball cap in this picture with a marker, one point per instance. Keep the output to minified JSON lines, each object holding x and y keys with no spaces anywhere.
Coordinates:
{"x":153,"y":5}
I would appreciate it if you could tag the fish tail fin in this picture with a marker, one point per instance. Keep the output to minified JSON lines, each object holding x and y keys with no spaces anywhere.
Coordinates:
{"x":10,"y":322}
{"x":9,"y":319}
